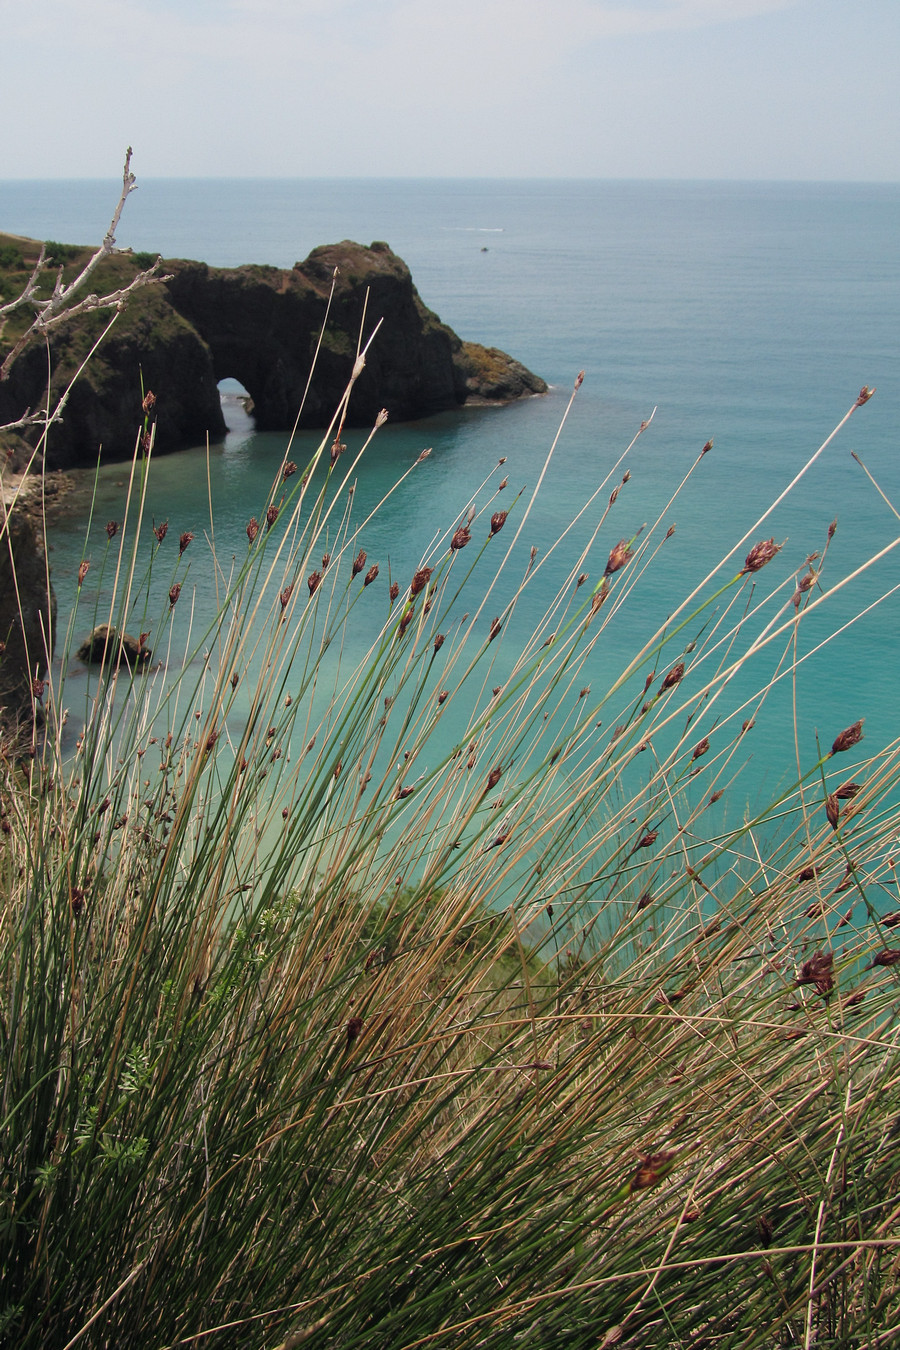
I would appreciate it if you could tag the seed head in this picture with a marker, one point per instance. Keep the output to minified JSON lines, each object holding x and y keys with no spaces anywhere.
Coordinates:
{"x":313,"y":581}
{"x":460,"y":538}
{"x":443,"y":695}
{"x":394,"y":591}
{"x":582,"y":579}
{"x":83,"y":571}
{"x":184,"y":541}
{"x":617,"y":558}
{"x":420,"y":580}
{"x":579,"y":379}
{"x":112,"y":529}
{"x":759,"y":555}
{"x":674,"y":676}
{"x":370,"y":575}
{"x":647,"y":840}
{"x":359,"y":563}
{"x":818,"y":971}
{"x":271,"y":515}
{"x":161,"y":531}
{"x":495,"y":628}
{"x":423,"y":455}
{"x":849,"y":737}
{"x":864,"y":395}
{"x":337,"y":449}
{"x":498,"y":520}
{"x":652,"y":1168}
{"x":252,"y":528}
{"x":707,"y":447}
{"x":502,"y":484}
{"x":700,"y":748}
{"x":598,"y":599}
{"x":438,"y":643}
{"x":889,"y":957}
{"x":381,"y":418}
{"x":832,"y":810}
{"x":288,"y":469}
{"x":174,"y":594}
{"x":286,"y":595}
{"x":354,"y":1027}
{"x":148,"y":401}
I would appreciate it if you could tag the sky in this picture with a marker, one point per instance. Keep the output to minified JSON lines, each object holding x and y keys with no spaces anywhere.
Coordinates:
{"x":758,"y":89}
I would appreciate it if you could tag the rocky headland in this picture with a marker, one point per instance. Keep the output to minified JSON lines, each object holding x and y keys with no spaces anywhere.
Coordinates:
{"x":178,"y":338}
{"x":260,"y":325}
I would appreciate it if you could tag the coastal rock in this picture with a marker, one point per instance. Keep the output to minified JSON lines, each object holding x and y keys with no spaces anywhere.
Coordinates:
{"x":27,"y":604}
{"x":104,"y":646}
{"x":261,"y":326}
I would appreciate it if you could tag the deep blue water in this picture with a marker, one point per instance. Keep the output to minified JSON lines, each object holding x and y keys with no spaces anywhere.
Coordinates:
{"x":751,"y":313}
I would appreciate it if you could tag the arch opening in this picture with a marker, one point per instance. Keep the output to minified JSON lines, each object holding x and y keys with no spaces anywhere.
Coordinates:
{"x":237,"y":408}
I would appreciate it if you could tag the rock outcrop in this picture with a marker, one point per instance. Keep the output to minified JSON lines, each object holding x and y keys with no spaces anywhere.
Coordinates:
{"x":27,"y":604}
{"x":106,"y":646}
{"x":260,"y":325}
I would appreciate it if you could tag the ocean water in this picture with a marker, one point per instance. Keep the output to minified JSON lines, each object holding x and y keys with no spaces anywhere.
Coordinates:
{"x":750,"y":313}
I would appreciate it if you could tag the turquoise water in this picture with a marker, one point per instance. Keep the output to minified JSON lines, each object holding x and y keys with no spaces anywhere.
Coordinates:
{"x":751,"y":313}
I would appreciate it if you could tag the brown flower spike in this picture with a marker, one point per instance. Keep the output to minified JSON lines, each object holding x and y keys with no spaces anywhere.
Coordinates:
{"x":673,"y":677}
{"x":759,"y":555}
{"x":420,"y":580}
{"x":849,"y":737}
{"x":619,"y":556}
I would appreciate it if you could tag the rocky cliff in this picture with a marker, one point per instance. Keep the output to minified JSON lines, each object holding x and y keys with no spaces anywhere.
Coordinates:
{"x":27,"y":604}
{"x":261,"y":326}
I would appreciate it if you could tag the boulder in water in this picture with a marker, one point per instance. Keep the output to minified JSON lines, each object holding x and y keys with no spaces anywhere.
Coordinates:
{"x":106,"y":646}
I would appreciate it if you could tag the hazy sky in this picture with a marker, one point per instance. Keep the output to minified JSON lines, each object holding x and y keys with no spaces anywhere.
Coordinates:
{"x":596,"y":88}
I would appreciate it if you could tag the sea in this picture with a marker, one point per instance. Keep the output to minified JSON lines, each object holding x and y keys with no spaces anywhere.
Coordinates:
{"x":746,"y":313}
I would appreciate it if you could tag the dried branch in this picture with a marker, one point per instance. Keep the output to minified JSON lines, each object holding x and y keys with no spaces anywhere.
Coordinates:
{"x":58,"y":307}
{"x":30,"y":286}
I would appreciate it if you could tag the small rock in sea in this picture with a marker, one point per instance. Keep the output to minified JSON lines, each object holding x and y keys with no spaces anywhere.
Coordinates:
{"x":105,"y":646}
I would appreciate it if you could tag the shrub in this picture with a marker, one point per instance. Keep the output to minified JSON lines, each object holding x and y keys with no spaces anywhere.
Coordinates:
{"x":60,"y":254}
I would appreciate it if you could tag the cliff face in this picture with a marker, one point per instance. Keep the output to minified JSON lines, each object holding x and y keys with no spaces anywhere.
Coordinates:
{"x":27,"y":603}
{"x":259,"y":325}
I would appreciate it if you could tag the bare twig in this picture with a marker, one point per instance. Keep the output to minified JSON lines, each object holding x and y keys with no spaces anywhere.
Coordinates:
{"x":58,"y":307}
